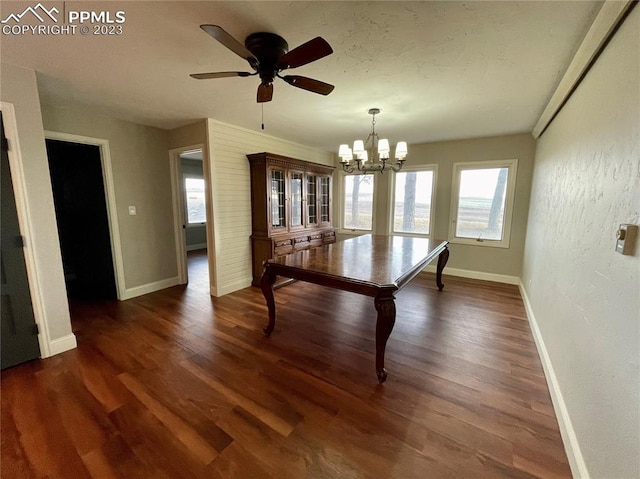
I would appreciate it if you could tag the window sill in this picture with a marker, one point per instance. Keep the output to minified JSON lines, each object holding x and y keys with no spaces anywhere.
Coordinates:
{"x":504,"y":244}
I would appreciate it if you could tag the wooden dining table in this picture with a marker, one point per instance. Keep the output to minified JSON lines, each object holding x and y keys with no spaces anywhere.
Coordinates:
{"x":372,"y":265}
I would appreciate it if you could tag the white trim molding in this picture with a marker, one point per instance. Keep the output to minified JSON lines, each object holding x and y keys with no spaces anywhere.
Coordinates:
{"x":179,"y":208}
{"x":26,"y":228}
{"x":230,"y":287}
{"x":150,"y":287}
{"x":569,"y":438}
{"x":198,"y":246}
{"x":60,"y":345}
{"x":481,"y":275}
{"x":510,"y":194}
{"x":110,"y":197}
{"x":604,"y":25}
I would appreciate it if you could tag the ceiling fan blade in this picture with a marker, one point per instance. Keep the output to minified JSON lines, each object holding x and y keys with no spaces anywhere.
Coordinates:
{"x":206,"y":76}
{"x":231,"y":43}
{"x":265,"y":92}
{"x":315,"y":86}
{"x":306,"y":53}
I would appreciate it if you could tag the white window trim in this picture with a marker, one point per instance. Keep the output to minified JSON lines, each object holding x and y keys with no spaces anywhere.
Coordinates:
{"x":512,"y":165}
{"x":186,"y":204}
{"x":356,"y":231}
{"x":392,"y":196}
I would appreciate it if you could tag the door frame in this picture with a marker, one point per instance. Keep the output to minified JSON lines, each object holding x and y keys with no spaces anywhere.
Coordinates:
{"x":26,"y":230}
{"x":110,"y":197}
{"x":179,"y":208}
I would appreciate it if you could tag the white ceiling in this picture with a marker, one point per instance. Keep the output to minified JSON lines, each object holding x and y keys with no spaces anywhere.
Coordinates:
{"x":437,"y":70}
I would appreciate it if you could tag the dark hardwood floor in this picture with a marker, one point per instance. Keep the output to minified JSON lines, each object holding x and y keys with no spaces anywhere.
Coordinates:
{"x":177,"y":384}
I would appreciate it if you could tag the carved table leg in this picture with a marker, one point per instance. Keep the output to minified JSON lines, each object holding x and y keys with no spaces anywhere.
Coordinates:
{"x":266,"y":284}
{"x":386,"y":308}
{"x":442,"y":262}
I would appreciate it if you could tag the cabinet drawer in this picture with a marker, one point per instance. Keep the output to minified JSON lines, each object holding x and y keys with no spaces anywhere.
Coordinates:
{"x":329,"y":237}
{"x":280,"y":243}
{"x":315,"y":236}
{"x":282,"y":250}
{"x":301,"y":242}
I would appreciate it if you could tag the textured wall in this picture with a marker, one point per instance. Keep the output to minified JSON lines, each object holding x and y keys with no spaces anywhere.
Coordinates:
{"x":584,"y":296}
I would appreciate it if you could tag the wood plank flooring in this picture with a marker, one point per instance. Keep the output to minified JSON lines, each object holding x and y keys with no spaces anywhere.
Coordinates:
{"x":177,"y":384}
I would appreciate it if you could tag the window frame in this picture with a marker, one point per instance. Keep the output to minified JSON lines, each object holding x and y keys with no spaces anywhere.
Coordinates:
{"x":392,"y":200}
{"x":512,"y":165}
{"x":186,"y":176}
{"x":343,"y":191}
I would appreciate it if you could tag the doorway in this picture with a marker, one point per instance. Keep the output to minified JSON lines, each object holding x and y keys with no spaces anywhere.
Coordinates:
{"x":81,"y":212}
{"x":190,"y":216}
{"x":195,"y":217}
{"x":19,"y":332}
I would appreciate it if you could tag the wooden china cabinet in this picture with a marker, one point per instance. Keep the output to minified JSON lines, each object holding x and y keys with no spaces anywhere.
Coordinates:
{"x":290,"y":207}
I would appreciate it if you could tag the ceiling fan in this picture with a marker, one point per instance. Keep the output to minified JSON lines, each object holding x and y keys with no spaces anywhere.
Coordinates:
{"x":268,"y":54}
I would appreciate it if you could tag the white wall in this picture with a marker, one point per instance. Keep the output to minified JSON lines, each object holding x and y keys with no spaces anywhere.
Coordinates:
{"x":583,"y":297}
{"x":19,"y":88}
{"x":228,"y":146}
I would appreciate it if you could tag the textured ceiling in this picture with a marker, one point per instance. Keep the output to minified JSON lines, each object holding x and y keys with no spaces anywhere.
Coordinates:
{"x":437,"y":70}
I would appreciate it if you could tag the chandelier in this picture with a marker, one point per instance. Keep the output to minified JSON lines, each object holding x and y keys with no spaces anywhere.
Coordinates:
{"x":367,"y":157}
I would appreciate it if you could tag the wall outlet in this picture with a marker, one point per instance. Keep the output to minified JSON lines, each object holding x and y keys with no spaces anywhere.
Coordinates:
{"x":132,"y":211}
{"x":626,"y":238}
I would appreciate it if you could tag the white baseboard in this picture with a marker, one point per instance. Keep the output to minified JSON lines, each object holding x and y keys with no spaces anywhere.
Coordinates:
{"x":571,"y":445}
{"x":60,"y":345}
{"x":227,"y":288}
{"x":194,"y":247}
{"x":465,"y":273}
{"x":150,"y":288}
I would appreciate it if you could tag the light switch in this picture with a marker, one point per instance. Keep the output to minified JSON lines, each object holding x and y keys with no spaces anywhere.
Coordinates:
{"x":626,"y":238}
{"x":132,"y":210}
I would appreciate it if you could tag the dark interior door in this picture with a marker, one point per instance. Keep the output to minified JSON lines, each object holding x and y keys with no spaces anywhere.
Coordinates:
{"x":83,"y":225}
{"x":19,"y":335}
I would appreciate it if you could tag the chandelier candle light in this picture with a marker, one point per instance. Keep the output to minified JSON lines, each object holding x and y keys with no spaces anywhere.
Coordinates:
{"x":368,"y":158}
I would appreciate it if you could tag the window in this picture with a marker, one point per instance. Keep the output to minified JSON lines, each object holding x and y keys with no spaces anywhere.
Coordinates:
{"x":412,"y":201}
{"x":358,"y":202}
{"x":277,"y":199}
{"x":296,"y":198}
{"x":482,"y":202}
{"x":194,"y":190}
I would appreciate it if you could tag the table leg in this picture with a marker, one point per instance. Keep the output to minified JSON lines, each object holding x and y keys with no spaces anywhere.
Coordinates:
{"x":442,"y":262}
{"x":266,"y":284}
{"x":386,"y":308}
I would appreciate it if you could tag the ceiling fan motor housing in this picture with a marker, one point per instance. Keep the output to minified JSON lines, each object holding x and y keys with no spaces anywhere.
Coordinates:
{"x":267,"y":48}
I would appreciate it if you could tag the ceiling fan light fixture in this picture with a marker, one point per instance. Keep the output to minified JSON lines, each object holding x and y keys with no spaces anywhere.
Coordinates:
{"x":268,"y":54}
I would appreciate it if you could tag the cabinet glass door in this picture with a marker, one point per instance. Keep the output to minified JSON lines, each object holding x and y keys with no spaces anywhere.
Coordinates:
{"x":296,"y":198}
{"x":278,"y":199}
{"x":312,"y":200}
{"x":325,"y":199}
